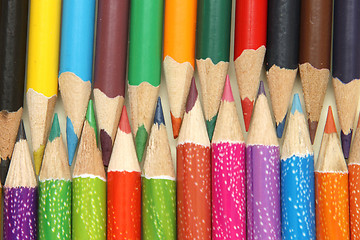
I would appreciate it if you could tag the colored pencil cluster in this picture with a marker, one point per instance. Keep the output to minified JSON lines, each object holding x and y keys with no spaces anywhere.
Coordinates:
{"x":123,"y":184}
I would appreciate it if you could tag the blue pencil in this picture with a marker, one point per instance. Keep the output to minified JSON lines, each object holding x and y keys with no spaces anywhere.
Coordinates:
{"x":297,"y":179}
{"x":76,"y":61}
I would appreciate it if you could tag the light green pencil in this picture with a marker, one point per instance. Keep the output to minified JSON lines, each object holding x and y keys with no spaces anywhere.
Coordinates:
{"x":55,"y":189}
{"x":89,"y":186}
{"x":159,"y":187}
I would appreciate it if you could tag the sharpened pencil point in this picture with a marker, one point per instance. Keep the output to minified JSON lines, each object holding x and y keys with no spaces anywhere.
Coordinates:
{"x":124,"y":124}
{"x":159,"y":115}
{"x":72,"y":140}
{"x":330,"y":123}
{"x":106,"y":146}
{"x":227,"y":94}
{"x":192,"y":97}
{"x":176,"y":124}
{"x":261,"y":89}
{"x":90,"y":117}
{"x":140,"y":141}
{"x":312,"y":129}
{"x":280,"y":127}
{"x":346,"y":142}
{"x":247,"y":108}
{"x":55,"y":129}
{"x":296,"y":104}
{"x":21,"y":132}
{"x":210,"y":126}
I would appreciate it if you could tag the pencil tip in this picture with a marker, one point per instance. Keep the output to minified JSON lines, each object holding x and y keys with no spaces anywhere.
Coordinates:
{"x":247,"y":108}
{"x":140,"y":141}
{"x":106,"y":146}
{"x":55,"y":128}
{"x":346,"y":143}
{"x":176,"y":124}
{"x":296,"y":104}
{"x":38,"y":156}
{"x":71,"y":139}
{"x":193,"y":94}
{"x":330,"y":123}
{"x":261,"y":89}
{"x":280,"y":127}
{"x":21,"y":135}
{"x":227,"y":94}
{"x":124,"y":124}
{"x":312,"y":130}
{"x":210,"y":126}
{"x":159,"y":115}
{"x":90,"y":117}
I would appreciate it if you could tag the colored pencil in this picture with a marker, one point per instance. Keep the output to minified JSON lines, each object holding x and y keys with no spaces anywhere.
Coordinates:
{"x":346,"y":66}
{"x":76,"y":61}
{"x":20,"y":193}
{"x":193,"y":173}
{"x":124,"y":186}
{"x":228,"y":172}
{"x":158,"y":184}
{"x":212,"y":54}
{"x":13,"y":37}
{"x":146,"y":23}
{"x":354,"y":186}
{"x":297,"y":178}
{"x":42,"y":70}
{"x":281,"y":60}
{"x":55,"y":189}
{"x":263,"y":174}
{"x":110,"y":69}
{"x":249,"y":51}
{"x":89,"y":186}
{"x":331,"y":187}
{"x":315,"y":56}
{"x":179,"y":55}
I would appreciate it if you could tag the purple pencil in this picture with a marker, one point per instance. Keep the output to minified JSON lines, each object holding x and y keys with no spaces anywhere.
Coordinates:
{"x":20,"y":193}
{"x":263,"y":174}
{"x":228,"y":172}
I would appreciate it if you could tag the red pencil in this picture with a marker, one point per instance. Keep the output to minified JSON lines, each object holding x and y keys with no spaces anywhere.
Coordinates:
{"x":249,"y":50}
{"x":193,"y":173}
{"x":124,"y":186}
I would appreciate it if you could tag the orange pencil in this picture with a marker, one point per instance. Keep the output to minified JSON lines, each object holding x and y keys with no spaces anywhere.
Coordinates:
{"x":179,"y":55}
{"x":354,"y":184}
{"x":124,"y":186}
{"x":331,"y":187}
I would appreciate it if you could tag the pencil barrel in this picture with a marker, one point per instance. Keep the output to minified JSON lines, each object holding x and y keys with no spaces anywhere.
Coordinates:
{"x":89,"y":208}
{"x":228,"y":191}
{"x":124,"y":205}
{"x":298,"y":198}
{"x":158,"y":209}
{"x":54,"y":209}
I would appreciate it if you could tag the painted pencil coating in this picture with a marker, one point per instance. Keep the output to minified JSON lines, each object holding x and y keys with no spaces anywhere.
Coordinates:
{"x":228,"y":190}
{"x":159,"y":208}
{"x":20,"y":212}
{"x":55,"y":209}
{"x":354,"y":186}
{"x":110,"y":69}
{"x":89,"y":208}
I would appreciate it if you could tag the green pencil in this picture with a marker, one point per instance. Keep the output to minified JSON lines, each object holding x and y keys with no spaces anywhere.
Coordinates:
{"x":89,"y":186}
{"x":55,"y":189}
{"x":146,"y":25}
{"x":212,"y":54}
{"x":158,"y":185}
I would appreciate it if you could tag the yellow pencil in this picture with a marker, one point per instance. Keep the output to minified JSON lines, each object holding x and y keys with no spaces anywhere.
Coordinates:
{"x":43,"y":65}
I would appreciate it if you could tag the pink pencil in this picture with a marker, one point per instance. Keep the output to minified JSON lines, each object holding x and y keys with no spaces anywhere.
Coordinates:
{"x":228,"y":172}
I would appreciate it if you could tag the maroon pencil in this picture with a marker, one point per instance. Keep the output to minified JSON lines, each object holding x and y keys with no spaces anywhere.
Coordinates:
{"x":110,"y":69}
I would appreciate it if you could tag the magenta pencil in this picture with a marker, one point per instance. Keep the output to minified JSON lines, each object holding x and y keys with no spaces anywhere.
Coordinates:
{"x":228,"y":172}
